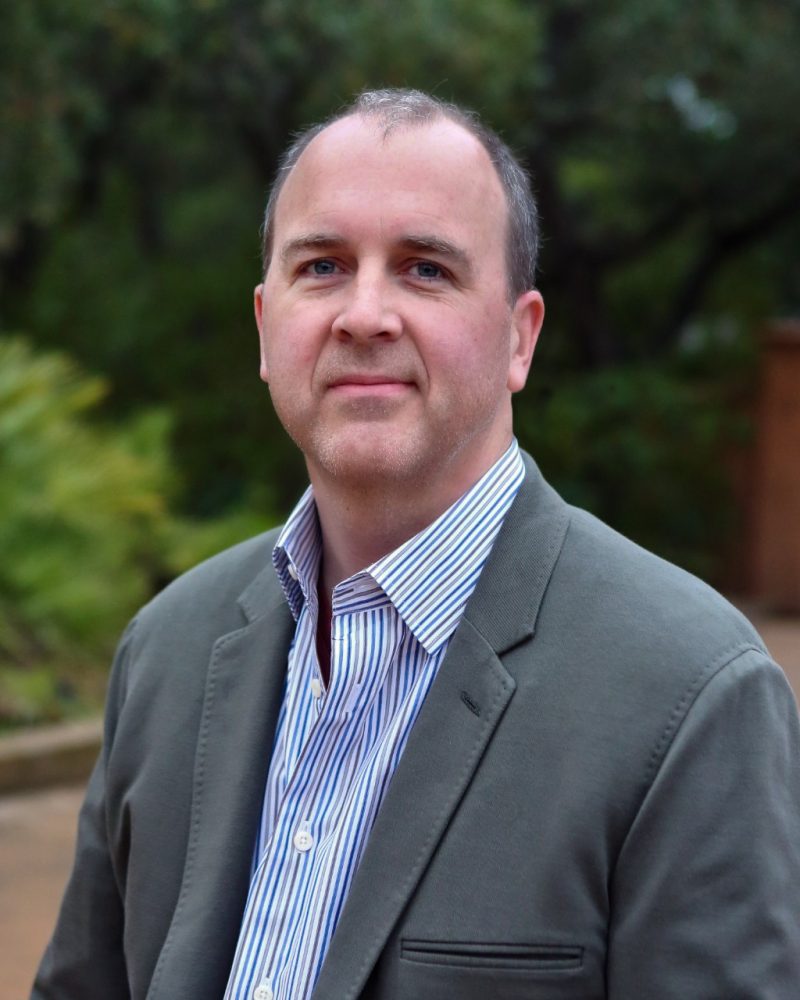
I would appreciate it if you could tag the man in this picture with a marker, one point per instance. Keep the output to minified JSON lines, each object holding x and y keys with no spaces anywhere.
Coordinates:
{"x":461,"y":740}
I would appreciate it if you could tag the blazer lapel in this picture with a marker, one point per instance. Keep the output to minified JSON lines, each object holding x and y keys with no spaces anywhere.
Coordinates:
{"x":243,"y":694}
{"x":461,"y":713}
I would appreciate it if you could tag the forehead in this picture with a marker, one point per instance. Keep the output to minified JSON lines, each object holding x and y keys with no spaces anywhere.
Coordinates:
{"x":353,"y":175}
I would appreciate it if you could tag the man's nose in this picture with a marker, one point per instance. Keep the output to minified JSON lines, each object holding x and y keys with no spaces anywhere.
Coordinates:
{"x":368,"y":311}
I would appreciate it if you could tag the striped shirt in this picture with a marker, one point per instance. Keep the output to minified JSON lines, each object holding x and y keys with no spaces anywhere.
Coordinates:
{"x":336,"y":748}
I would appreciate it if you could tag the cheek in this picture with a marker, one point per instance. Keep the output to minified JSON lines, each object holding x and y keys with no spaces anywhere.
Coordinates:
{"x":465,"y":376}
{"x":484,"y":347}
{"x":288,"y":351}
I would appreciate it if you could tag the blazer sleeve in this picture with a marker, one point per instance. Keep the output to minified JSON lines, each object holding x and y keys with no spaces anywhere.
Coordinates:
{"x":84,"y":959}
{"x":706,"y":891}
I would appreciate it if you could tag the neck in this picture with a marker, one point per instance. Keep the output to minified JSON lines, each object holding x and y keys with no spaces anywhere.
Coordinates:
{"x":362,"y":519}
{"x":359,"y":527}
{"x":360,"y":523}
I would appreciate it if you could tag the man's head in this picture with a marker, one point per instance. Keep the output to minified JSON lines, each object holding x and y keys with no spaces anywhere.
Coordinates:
{"x":389,"y":339}
{"x":392,"y":109}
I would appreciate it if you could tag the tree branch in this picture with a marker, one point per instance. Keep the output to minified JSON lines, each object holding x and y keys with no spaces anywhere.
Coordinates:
{"x":720,"y":247}
{"x":614,"y":250}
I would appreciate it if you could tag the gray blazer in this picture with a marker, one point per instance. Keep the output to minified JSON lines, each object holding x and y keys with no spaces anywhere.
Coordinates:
{"x":600,"y":798}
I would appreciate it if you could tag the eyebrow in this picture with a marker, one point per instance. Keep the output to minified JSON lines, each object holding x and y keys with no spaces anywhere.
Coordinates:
{"x":419,"y":242}
{"x":441,"y":248}
{"x":309,"y":241}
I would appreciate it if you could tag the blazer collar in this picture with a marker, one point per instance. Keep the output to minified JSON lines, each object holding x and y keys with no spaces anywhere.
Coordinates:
{"x":506,"y":602}
{"x":263,"y":596}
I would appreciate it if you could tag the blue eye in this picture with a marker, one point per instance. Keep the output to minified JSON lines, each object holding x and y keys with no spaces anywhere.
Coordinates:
{"x":425,"y":269}
{"x":323,"y":268}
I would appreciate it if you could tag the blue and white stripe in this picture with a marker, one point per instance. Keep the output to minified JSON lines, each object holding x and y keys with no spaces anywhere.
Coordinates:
{"x":336,"y":750}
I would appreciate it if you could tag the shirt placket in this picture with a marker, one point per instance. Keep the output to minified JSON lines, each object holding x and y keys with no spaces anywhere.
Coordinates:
{"x":301,"y":823}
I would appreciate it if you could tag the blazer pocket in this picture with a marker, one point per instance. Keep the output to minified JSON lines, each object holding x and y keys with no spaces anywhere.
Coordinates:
{"x":530,"y":958}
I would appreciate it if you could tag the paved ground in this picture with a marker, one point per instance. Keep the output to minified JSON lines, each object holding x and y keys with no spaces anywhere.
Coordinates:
{"x":36,"y":842}
{"x":37,"y":832}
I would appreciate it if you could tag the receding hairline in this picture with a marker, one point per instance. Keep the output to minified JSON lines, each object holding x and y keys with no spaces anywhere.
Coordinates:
{"x":385,"y":129}
{"x":388,"y":124}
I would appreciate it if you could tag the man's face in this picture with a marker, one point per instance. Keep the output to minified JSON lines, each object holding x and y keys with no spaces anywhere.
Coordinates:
{"x":387,"y":338}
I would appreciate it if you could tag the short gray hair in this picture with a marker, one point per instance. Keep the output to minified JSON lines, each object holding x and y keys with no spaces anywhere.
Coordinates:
{"x":393,"y":108}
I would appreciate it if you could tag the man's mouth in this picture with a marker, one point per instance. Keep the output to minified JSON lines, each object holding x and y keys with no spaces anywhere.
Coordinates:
{"x":372,"y":384}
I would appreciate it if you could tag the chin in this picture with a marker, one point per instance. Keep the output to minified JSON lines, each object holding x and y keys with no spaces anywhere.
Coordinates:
{"x":363,"y":460}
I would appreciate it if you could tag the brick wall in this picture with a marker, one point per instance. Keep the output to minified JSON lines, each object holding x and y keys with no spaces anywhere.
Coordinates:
{"x":774,"y":514}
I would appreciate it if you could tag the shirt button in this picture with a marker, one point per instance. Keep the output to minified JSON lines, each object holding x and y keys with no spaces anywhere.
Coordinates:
{"x":293,"y":574}
{"x":263,"y":992}
{"x":316,"y":687}
{"x":303,"y":840}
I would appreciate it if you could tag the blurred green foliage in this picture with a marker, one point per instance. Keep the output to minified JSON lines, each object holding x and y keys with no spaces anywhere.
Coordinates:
{"x":645,"y":449}
{"x":80,"y":508}
{"x":139,"y":138}
{"x":85,"y":529}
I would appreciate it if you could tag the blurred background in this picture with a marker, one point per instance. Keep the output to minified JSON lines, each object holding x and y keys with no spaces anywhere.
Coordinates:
{"x":138,"y":140}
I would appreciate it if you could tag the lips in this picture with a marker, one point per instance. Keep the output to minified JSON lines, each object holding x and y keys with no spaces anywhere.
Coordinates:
{"x":360,"y":379}
{"x":359,"y":387}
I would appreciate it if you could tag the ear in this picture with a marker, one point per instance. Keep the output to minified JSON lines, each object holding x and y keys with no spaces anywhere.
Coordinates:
{"x":526,"y":324}
{"x":258,"y":303}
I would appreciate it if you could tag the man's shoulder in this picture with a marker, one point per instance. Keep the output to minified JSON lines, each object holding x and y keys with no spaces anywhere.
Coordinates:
{"x":603,"y":586}
{"x":627,"y":640}
{"x":212,"y":589}
{"x":644,"y":599}
{"x":165,"y":650}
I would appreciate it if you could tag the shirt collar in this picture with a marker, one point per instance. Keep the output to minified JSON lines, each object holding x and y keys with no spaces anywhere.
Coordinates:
{"x":428,"y":578}
{"x":297,"y":553}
